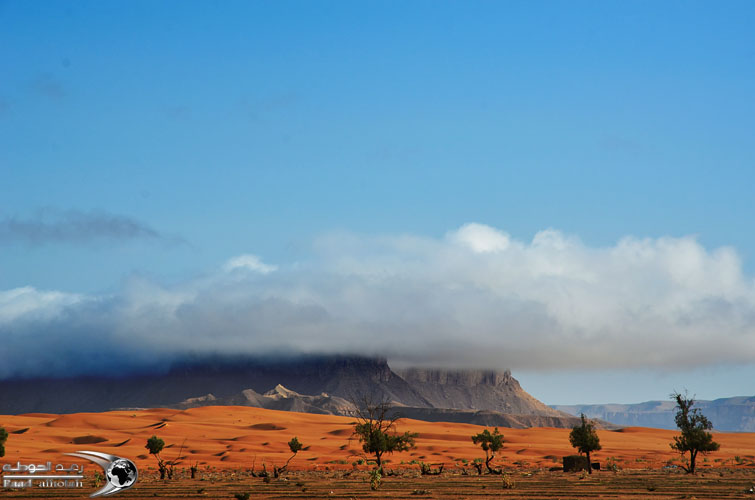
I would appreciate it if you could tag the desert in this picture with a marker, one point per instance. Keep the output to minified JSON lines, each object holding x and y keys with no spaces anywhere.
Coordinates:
{"x":226,"y":443}
{"x":377,"y":249}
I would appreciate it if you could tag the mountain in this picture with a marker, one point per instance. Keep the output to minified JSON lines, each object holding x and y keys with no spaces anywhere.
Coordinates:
{"x":284,"y":399}
{"x":312,"y":384}
{"x":735,"y":414}
{"x":345,"y":376}
{"x":475,"y":390}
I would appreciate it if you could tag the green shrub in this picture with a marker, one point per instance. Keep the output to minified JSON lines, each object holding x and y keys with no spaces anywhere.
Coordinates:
{"x":375,"y":478}
{"x":3,"y":439}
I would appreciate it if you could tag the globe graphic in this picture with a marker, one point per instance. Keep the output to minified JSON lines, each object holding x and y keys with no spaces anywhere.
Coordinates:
{"x":121,"y":473}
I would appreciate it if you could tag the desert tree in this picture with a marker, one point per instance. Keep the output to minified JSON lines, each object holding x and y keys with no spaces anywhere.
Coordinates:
{"x":491,"y":443}
{"x":3,"y":439}
{"x":695,"y":437}
{"x":295,"y":446}
{"x":155,"y":445}
{"x":376,"y":430}
{"x":585,"y":439}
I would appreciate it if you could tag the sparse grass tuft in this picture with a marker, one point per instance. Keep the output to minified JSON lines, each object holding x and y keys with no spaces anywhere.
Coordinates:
{"x":506,"y":482}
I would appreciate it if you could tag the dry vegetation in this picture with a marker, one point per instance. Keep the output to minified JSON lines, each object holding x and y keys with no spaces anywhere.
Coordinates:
{"x":226,"y":442}
{"x":409,"y":484}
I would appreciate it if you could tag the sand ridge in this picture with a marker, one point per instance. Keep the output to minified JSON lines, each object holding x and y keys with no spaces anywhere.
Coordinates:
{"x":236,"y":437}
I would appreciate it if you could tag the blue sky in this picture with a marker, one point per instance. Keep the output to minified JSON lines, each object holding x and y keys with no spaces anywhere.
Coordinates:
{"x":151,"y":142}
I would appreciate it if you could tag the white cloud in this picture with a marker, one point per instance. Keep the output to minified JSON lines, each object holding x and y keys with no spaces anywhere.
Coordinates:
{"x":248,"y":262}
{"x":476,"y":297}
{"x":29,"y":303}
{"x":480,"y":238}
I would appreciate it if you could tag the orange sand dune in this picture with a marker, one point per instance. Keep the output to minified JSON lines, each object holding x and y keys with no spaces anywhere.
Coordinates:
{"x":235,"y":437}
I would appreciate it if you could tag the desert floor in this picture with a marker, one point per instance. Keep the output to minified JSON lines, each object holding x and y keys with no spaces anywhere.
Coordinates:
{"x":226,"y":442}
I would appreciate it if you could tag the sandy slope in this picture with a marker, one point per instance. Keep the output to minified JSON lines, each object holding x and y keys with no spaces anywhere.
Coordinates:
{"x":232,"y":437}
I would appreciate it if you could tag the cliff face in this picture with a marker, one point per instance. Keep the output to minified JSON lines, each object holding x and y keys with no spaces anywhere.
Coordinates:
{"x":475,"y":390}
{"x":458,"y":377}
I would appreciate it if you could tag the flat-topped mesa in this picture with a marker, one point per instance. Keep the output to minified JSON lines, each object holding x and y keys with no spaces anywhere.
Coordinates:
{"x":376,"y":369}
{"x":475,"y":390}
{"x":459,"y":377}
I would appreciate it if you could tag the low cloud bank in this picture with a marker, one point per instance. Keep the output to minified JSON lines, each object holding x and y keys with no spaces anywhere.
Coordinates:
{"x":476,"y":297}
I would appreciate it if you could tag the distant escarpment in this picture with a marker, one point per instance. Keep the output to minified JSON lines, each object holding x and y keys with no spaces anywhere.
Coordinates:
{"x":311,"y":384}
{"x":735,"y":414}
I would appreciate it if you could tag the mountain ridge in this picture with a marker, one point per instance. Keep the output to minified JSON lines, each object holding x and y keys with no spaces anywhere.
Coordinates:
{"x":313,"y":384}
{"x":733,"y":414}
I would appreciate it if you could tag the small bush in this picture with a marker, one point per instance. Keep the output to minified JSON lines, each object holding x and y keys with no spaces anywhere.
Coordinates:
{"x":375,"y":478}
{"x":3,"y":439}
{"x":506,"y":482}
